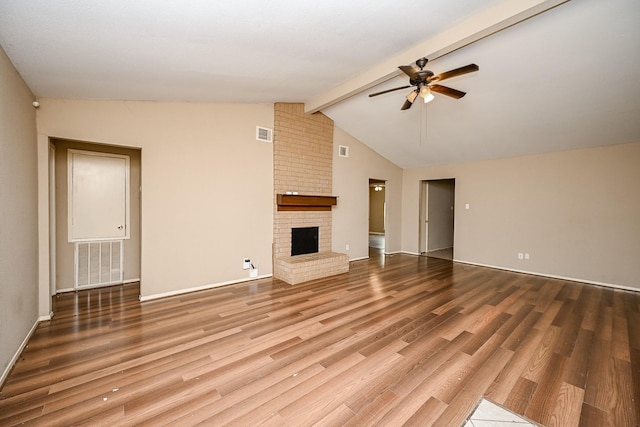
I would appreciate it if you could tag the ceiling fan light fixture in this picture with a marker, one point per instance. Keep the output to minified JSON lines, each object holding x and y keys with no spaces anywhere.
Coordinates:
{"x":412,"y":96}
{"x":426,"y":94}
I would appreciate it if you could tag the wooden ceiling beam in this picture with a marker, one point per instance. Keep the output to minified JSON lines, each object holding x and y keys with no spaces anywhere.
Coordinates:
{"x":497,"y":18}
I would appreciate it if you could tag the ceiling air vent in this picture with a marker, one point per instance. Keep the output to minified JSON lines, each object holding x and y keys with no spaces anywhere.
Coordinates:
{"x":264,"y":134}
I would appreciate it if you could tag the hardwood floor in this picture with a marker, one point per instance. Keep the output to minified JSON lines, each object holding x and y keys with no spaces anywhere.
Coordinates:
{"x":398,"y":340}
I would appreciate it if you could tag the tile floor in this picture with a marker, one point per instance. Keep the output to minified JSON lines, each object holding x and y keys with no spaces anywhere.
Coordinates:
{"x":488,"y":414}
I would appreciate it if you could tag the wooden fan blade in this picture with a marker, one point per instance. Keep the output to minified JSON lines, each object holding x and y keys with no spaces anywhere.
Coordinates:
{"x":388,"y":90}
{"x":454,"y":73}
{"x":410,"y":99}
{"x":407,"y":104}
{"x":444,"y":90}
{"x":410,"y":71}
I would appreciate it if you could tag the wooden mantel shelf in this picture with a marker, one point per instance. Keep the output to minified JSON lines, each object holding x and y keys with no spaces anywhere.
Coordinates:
{"x":296,"y":202}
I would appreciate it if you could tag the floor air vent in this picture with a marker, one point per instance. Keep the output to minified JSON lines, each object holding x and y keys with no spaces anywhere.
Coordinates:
{"x":98,"y":263}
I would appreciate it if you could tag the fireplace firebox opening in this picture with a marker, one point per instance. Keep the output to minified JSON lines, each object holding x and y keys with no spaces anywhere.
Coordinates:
{"x":304,"y":240}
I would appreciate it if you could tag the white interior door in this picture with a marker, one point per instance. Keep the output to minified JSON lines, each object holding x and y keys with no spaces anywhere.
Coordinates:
{"x":99,"y":196}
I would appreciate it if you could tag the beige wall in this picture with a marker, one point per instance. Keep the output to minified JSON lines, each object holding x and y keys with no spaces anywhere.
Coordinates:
{"x":351,"y":184}
{"x":18,"y":213}
{"x":576,"y":213}
{"x":64,"y":249}
{"x":207,"y":187}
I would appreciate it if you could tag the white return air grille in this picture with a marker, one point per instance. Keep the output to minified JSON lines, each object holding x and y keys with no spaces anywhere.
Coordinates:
{"x":264,"y":134}
{"x":98,"y":263}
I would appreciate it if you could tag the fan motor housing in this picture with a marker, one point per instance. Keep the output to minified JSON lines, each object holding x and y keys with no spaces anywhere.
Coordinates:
{"x":424,"y":75}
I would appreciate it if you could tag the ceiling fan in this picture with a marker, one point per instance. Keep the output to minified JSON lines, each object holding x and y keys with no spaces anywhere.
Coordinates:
{"x":424,"y":81}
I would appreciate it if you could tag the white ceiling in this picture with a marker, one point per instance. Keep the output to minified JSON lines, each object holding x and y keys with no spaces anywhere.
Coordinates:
{"x":564,"y":79}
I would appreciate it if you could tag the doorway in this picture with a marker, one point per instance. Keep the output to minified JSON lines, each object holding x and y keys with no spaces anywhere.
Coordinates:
{"x":52,"y":219}
{"x":437,"y":214}
{"x":377,"y":216}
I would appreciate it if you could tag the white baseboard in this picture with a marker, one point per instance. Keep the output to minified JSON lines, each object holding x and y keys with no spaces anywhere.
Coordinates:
{"x":199,"y":288}
{"x":394,"y":252}
{"x":552,"y":276}
{"x":16,"y":356}
{"x":45,"y":318}
{"x":439,"y":249}
{"x":126,"y":282}
{"x":368,"y":257}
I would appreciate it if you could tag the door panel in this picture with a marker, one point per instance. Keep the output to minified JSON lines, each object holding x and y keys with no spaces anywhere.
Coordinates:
{"x":98,"y":203}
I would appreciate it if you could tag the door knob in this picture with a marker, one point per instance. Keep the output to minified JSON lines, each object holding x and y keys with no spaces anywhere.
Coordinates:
{"x":120,"y":227}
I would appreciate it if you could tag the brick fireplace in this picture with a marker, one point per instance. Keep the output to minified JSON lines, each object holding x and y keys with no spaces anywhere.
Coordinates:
{"x":303,"y":159}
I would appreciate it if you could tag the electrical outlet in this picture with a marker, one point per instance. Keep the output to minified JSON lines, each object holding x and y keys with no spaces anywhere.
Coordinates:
{"x":520,"y":255}
{"x":246,"y":264}
{"x":346,"y":247}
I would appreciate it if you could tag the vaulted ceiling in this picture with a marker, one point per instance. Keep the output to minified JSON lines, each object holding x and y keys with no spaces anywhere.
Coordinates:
{"x":554,"y":75}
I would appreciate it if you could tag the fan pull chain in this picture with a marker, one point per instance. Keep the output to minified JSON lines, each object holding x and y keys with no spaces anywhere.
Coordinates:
{"x":423,"y":123}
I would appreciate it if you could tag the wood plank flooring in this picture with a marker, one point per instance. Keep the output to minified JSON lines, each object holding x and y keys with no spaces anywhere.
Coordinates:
{"x":399,"y":340}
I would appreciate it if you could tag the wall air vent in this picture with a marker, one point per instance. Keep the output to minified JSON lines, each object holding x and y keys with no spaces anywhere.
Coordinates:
{"x":264,"y":134}
{"x":343,"y":151}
